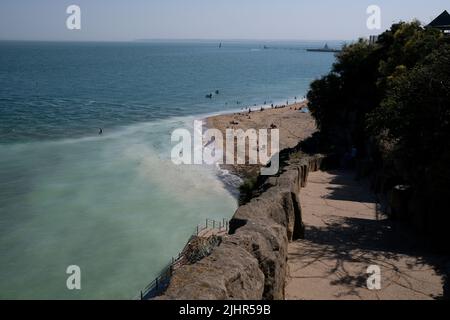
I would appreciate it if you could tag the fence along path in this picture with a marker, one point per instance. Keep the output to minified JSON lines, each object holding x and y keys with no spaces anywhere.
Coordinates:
{"x":161,"y":282}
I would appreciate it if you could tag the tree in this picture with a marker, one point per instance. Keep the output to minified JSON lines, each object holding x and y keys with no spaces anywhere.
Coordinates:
{"x":392,"y":101}
{"x":340,"y":100}
{"x":357,"y":83}
{"x":415,"y":115}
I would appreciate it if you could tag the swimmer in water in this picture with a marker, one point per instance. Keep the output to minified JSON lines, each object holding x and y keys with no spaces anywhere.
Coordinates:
{"x":100,"y":131}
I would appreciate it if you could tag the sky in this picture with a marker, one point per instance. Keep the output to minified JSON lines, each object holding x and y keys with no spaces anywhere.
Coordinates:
{"x":128,"y":20}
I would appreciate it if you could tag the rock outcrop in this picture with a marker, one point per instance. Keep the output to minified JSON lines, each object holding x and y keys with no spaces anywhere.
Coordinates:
{"x":250,"y":262}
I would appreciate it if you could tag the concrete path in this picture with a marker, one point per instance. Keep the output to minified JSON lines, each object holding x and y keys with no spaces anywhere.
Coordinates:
{"x":345,"y":234}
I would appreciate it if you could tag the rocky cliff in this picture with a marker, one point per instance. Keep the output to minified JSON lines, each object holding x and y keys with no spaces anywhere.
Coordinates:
{"x":250,"y":262}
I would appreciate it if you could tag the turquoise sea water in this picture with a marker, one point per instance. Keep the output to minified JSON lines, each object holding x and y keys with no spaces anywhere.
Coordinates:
{"x":115,"y":204}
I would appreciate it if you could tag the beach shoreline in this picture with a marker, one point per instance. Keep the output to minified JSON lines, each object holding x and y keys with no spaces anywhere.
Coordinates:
{"x":293,"y":121}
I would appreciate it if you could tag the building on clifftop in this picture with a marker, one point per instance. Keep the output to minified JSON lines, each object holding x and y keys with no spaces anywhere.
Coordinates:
{"x":442,"y":22}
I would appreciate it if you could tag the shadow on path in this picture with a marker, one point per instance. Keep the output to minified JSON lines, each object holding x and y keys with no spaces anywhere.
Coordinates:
{"x":345,"y":233}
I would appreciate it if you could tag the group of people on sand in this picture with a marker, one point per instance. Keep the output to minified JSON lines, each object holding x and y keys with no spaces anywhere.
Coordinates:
{"x":271,"y":105}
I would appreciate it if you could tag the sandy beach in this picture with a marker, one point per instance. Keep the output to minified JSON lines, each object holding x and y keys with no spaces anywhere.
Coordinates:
{"x":294,"y":126}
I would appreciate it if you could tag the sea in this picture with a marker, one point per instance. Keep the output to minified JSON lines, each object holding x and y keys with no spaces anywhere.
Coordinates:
{"x":114,"y":204}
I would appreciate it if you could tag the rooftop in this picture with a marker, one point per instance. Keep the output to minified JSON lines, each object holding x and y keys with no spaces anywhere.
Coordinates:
{"x":443,"y":20}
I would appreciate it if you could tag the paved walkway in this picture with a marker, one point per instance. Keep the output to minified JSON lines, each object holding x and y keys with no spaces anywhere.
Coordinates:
{"x":345,"y":234}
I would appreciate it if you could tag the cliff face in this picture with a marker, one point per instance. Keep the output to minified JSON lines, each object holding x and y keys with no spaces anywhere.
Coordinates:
{"x":250,"y":263}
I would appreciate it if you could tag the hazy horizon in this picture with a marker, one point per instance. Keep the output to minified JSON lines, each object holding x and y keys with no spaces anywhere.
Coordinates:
{"x":159,"y":40}
{"x":232,"y":20}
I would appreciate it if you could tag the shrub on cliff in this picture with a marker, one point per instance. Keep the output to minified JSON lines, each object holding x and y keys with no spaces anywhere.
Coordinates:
{"x":246,"y":190}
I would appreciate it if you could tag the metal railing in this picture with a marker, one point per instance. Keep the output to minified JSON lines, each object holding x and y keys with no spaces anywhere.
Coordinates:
{"x":212,"y":225}
{"x":159,"y":285}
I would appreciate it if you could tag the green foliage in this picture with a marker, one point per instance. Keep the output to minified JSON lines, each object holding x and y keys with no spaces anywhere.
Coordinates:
{"x":392,"y":101}
{"x":358,"y":83}
{"x":405,"y":44}
{"x":246,"y":190}
{"x":324,"y":99}
{"x":340,"y":100}
{"x":416,"y":112}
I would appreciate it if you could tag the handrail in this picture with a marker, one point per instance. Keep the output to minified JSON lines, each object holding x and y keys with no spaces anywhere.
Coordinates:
{"x":159,"y":285}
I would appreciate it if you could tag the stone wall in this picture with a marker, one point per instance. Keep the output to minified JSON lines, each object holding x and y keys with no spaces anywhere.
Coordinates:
{"x":251,"y":261}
